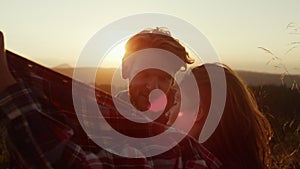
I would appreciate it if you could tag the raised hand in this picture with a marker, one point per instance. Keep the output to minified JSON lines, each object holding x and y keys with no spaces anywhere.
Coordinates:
{"x":6,"y":78}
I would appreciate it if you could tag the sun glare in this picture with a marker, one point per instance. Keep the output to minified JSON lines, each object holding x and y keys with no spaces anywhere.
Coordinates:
{"x":113,"y":57}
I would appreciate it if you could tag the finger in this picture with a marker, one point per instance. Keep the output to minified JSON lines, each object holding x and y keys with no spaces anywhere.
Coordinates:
{"x":1,"y":44}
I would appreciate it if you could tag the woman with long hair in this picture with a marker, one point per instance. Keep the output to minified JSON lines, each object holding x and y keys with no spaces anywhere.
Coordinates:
{"x":241,"y":139}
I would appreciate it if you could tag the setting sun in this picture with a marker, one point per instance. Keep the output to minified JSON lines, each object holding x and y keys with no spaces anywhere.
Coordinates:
{"x":113,"y":57}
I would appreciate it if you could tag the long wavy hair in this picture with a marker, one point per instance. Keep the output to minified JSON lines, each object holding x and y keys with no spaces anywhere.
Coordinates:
{"x":242,"y":137}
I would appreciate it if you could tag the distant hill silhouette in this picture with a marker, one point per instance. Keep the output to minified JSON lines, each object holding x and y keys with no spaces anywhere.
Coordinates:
{"x":104,"y":76}
{"x":259,"y":78}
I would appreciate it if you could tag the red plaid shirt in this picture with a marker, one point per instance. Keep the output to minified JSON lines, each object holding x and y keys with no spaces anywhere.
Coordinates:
{"x":39,"y":136}
{"x":43,"y":131}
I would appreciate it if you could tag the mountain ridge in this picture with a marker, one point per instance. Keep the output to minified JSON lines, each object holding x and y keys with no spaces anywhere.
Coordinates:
{"x":251,"y":78}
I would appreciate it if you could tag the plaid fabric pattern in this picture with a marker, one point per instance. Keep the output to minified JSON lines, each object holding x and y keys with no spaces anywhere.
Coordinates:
{"x":44,"y":131}
{"x":38,"y":140}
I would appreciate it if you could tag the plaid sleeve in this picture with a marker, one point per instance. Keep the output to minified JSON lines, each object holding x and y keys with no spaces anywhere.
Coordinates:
{"x":33,"y":137}
{"x":37,"y":140}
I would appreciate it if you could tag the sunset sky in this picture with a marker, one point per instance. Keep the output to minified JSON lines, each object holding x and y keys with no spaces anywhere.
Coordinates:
{"x":55,"y":32}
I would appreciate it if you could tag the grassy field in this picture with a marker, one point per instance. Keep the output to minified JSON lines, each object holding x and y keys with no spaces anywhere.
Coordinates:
{"x":282,"y":108}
